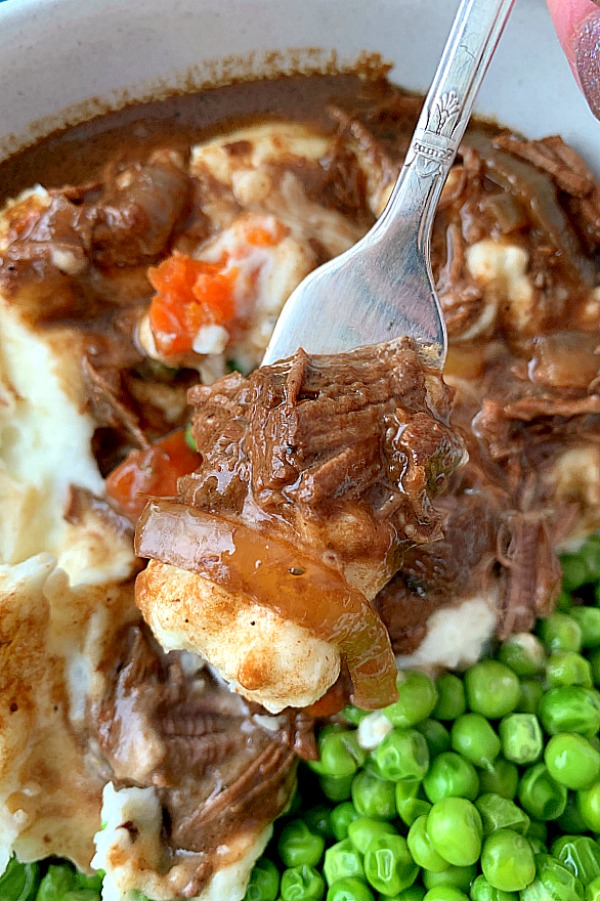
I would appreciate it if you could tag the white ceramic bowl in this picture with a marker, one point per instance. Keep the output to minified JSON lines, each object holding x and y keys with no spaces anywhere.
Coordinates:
{"x":64,"y":60}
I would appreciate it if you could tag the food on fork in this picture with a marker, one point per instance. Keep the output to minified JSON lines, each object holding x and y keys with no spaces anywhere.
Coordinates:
{"x":317,"y":475}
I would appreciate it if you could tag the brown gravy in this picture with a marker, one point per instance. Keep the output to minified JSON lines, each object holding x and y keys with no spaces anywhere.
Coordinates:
{"x":78,"y":154}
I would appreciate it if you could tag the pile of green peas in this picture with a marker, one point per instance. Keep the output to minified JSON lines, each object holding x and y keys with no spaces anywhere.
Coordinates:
{"x":474,"y":786}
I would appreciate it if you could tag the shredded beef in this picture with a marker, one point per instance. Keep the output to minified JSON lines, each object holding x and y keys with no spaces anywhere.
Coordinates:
{"x":343,"y":453}
{"x":220,"y":768}
{"x":571,"y":175}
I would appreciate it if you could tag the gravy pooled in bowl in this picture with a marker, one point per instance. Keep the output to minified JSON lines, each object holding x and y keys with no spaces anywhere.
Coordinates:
{"x":144,"y":259}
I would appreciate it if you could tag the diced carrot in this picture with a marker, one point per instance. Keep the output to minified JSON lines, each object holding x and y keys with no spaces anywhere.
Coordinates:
{"x":152,"y":472}
{"x":261,"y":236}
{"x":190,"y":293}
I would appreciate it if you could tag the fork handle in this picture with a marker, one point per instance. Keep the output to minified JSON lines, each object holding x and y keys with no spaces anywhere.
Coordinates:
{"x":476,"y":30}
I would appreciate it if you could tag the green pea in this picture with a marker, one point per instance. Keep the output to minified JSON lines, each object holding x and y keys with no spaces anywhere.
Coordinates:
{"x":568,"y":668}
{"x":572,"y":760}
{"x":339,"y":754}
{"x":91,"y":882}
{"x":341,"y":817}
{"x":500,"y":779}
{"x":388,"y":864}
{"x":297,"y":845}
{"x":590,"y":554}
{"x":540,"y":795}
{"x":20,"y":881}
{"x":564,"y":601}
{"x":451,"y":700}
{"x":189,"y":438}
{"x":83,"y":894}
{"x":412,"y":893}
{"x":594,"y":661}
{"x":570,"y":822}
{"x":507,"y":861}
{"x":500,"y":813}
{"x":474,"y":738}
{"x":559,"y":632}
{"x":336,"y":788}
{"x":349,"y":889}
{"x":354,"y":714}
{"x":402,"y":756}
{"x":445,"y":893}
{"x":538,"y":831}
{"x":531,"y":692}
{"x":302,"y":884}
{"x":342,"y":860}
{"x":588,"y":804}
{"x":459,"y":878}
{"x":524,"y":653}
{"x":436,"y":735}
{"x":521,"y":737}
{"x":455,"y":829}
{"x":588,"y":619}
{"x":421,"y":849}
{"x":373,"y":797}
{"x":481,"y":890}
{"x":318,"y":819}
{"x":592,"y":892}
{"x":492,"y":689}
{"x":264,"y":881}
{"x":417,"y":698}
{"x":571,"y":708}
{"x":580,"y":854}
{"x":574,"y":571}
{"x":537,"y":846}
{"x":58,"y":881}
{"x":552,"y":881}
{"x":363,"y":831}
{"x":410,"y":802}
{"x":450,"y":775}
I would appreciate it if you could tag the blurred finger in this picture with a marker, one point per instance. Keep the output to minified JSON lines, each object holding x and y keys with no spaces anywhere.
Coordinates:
{"x":577,"y":24}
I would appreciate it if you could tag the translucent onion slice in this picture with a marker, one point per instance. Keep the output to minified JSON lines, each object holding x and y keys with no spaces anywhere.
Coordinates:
{"x":276,"y":575}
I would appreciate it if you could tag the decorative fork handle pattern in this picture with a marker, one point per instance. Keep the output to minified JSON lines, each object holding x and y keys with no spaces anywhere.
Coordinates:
{"x":475,"y":33}
{"x":434,"y":147}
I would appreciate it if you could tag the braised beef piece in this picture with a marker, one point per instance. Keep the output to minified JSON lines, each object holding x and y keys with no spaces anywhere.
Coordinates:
{"x":125,"y":219}
{"x":571,"y":176}
{"x":342,"y":453}
{"x":220,"y":767}
{"x":139,"y":209}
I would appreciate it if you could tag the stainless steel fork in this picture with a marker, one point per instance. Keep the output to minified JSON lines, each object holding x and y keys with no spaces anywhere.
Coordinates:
{"x":382,"y":287}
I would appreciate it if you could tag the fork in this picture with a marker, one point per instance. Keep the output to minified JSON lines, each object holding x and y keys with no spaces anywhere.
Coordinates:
{"x":382,"y":287}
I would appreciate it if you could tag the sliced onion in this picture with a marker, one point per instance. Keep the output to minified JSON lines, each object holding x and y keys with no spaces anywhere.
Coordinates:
{"x":276,"y":575}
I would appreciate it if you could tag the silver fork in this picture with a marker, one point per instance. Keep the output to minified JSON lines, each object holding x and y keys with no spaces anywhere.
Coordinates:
{"x":382,"y":287}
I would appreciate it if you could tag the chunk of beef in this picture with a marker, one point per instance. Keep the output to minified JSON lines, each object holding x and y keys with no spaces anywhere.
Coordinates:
{"x":138,"y":210}
{"x":571,"y":175}
{"x":343,"y":453}
{"x":220,"y":768}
